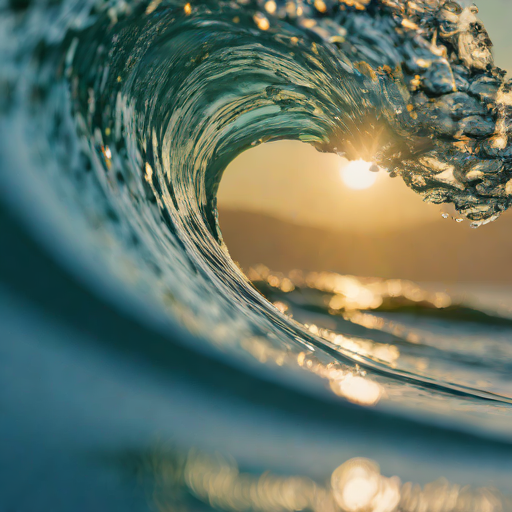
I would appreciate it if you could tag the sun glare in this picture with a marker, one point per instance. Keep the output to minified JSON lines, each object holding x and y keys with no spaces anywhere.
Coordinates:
{"x":357,"y":175}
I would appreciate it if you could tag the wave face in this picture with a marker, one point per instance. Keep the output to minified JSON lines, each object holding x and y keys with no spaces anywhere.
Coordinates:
{"x":119,"y":119}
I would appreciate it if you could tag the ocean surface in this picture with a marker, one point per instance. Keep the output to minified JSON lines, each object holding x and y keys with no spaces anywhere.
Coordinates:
{"x":266,"y":391}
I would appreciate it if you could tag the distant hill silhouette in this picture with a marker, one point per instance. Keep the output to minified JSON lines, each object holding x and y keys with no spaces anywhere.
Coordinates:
{"x":440,"y":251}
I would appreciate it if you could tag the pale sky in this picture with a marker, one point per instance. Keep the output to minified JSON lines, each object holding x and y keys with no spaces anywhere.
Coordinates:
{"x":497,"y":15}
{"x":294,"y":182}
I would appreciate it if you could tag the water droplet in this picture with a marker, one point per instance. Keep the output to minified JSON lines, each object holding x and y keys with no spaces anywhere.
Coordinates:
{"x":459,"y":220}
{"x":445,"y":215}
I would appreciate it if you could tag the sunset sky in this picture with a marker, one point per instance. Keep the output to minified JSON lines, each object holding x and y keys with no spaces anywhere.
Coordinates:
{"x":294,"y":182}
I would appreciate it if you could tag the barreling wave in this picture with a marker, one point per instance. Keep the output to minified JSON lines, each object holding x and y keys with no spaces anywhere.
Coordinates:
{"x":120,"y":118}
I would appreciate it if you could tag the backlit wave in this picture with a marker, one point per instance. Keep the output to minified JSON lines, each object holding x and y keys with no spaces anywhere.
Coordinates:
{"x":119,"y":119}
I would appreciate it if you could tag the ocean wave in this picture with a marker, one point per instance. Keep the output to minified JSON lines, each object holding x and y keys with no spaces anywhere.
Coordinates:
{"x":119,"y":119}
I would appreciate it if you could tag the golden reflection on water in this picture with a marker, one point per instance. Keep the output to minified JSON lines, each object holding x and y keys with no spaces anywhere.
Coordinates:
{"x":107,"y":154}
{"x":261,"y":21}
{"x":270,"y":7}
{"x":352,"y":293}
{"x":357,"y":485}
{"x":352,"y":298}
{"x":349,"y":383}
{"x":357,"y":389}
{"x":377,"y":351}
{"x":323,"y":302}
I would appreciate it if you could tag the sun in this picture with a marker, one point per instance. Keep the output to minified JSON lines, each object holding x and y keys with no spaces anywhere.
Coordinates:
{"x":357,"y":174}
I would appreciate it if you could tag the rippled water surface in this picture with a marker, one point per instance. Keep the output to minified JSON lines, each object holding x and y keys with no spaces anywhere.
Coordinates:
{"x":118,"y":120}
